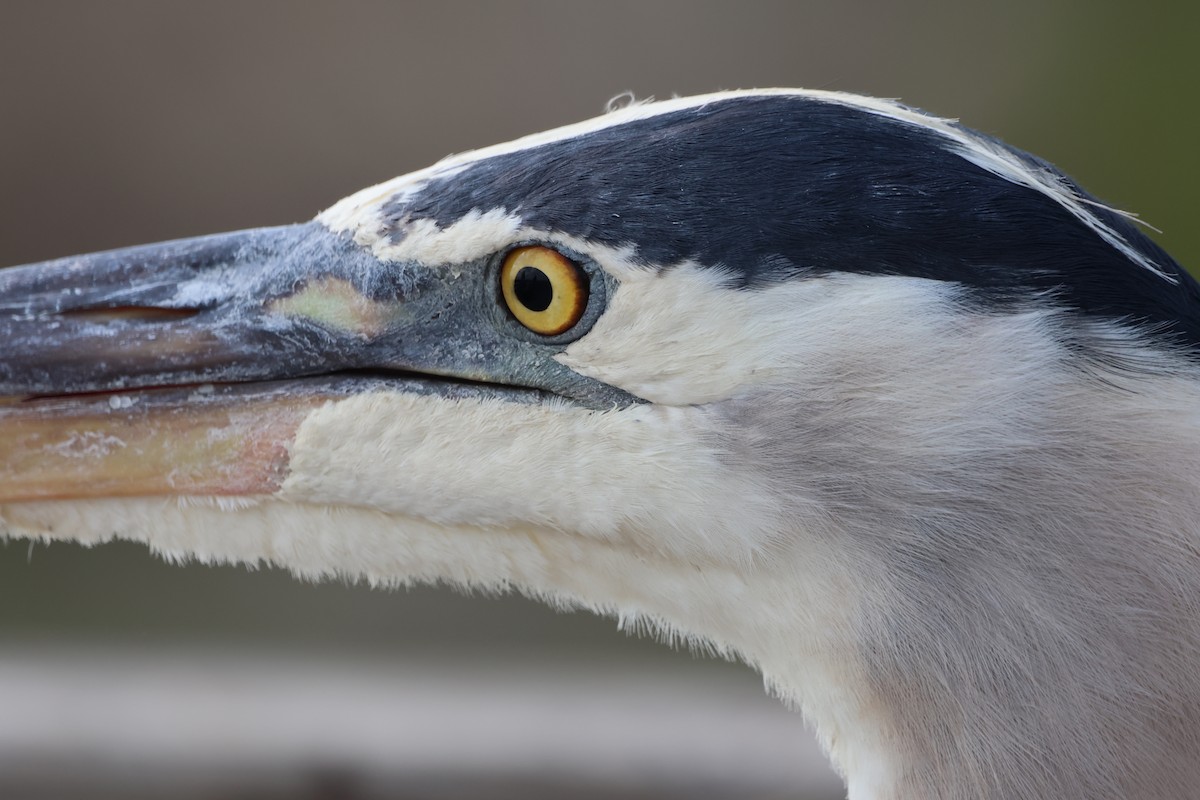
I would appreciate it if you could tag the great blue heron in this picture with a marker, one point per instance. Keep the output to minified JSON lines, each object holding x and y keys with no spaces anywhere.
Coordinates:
{"x":893,"y":411}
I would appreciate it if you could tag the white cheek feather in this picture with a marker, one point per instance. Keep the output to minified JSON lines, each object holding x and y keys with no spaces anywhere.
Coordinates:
{"x":641,"y":476}
{"x":713,"y":343}
{"x":709,"y":341}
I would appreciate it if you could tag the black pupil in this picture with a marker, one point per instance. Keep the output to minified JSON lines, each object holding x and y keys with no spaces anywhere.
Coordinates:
{"x":533,"y":289}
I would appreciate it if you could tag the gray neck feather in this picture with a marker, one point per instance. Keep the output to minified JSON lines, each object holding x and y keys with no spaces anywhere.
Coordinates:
{"x":1024,"y":538}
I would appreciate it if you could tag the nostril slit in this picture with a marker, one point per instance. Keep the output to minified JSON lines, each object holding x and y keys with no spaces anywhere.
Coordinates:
{"x":130,"y":314}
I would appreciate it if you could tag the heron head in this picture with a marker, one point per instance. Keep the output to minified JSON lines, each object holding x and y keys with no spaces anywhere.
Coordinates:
{"x":780,"y":370}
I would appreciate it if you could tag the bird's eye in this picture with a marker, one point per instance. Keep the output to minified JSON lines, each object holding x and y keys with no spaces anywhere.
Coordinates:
{"x":543,"y":289}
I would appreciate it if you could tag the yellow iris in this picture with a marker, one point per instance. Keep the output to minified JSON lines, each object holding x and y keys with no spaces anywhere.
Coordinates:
{"x":544,"y":290}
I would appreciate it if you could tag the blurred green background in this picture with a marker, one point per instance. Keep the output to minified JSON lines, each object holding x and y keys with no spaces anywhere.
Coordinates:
{"x":128,"y":122}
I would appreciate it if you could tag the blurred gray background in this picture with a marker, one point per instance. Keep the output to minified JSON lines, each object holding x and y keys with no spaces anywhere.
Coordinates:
{"x":129,"y":122}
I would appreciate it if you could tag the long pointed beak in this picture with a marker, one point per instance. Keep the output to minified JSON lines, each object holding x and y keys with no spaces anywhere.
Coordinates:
{"x":186,"y":312}
{"x":180,"y":368}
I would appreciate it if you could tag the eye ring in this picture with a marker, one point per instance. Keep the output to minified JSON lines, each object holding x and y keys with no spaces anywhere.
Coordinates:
{"x":543,"y":289}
